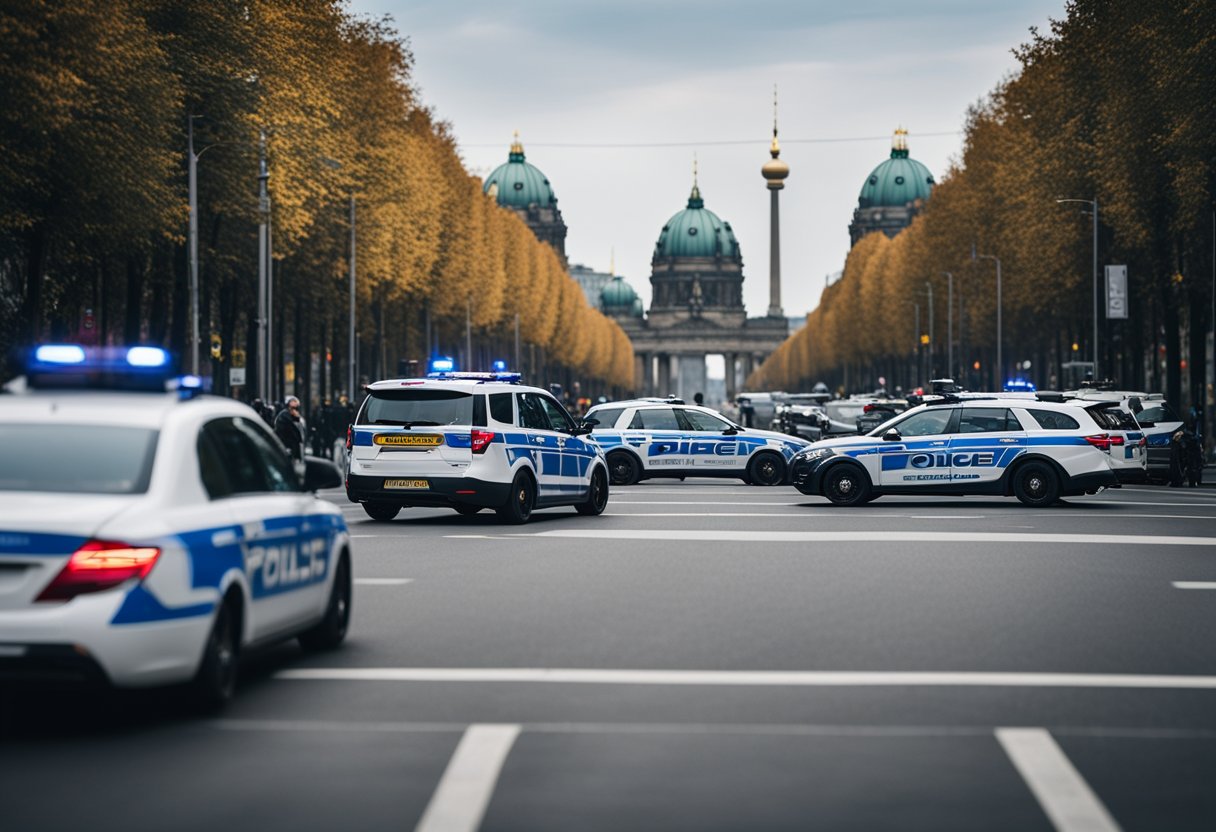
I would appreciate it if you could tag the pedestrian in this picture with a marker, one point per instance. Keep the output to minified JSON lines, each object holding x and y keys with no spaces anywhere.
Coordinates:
{"x":698,"y":399}
{"x":747,"y":411}
{"x":289,"y":427}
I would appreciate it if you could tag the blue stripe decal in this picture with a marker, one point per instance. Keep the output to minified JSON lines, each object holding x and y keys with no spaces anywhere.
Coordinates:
{"x":36,"y":543}
{"x":141,"y":607}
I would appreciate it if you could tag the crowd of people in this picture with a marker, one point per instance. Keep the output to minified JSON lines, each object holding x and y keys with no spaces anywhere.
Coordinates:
{"x":318,"y":434}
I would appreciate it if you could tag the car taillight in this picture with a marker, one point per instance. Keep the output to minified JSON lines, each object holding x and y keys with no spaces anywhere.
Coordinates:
{"x":1100,"y":441}
{"x":482,"y":440}
{"x":99,"y":565}
{"x":1143,"y":442}
{"x":1116,"y":440}
{"x":349,"y":431}
{"x":868,"y":409}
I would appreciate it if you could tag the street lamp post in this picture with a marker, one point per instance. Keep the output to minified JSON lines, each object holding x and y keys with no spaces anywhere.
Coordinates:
{"x":916,"y":340}
{"x":929,"y":286}
{"x":1000,"y":366}
{"x":949,"y":324}
{"x":192,"y":159}
{"x":350,"y":375}
{"x":263,"y":257}
{"x":1093,"y":203}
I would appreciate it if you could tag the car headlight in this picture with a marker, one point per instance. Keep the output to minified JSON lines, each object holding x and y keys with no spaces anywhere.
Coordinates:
{"x":816,"y":453}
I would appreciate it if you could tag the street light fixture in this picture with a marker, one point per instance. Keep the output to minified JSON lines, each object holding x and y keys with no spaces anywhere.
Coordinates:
{"x":1000,"y":366}
{"x":1094,"y":204}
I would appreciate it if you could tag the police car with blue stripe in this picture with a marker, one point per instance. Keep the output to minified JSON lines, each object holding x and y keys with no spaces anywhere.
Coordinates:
{"x":470,"y":441}
{"x":148,"y":537}
{"x":645,"y":438}
{"x":1037,"y":451}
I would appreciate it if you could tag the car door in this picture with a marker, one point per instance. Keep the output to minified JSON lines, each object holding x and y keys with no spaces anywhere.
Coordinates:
{"x":714,"y":444}
{"x":545,"y":444}
{"x":665,"y":443}
{"x":920,"y":457}
{"x":285,"y":571}
{"x":576,"y":453}
{"x":986,"y":441}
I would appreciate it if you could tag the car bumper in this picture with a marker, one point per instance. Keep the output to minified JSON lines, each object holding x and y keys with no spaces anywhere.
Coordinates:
{"x":1091,"y":481}
{"x":805,"y":474}
{"x":440,"y":491}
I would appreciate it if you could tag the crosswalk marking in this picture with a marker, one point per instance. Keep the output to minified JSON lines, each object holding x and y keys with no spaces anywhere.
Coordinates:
{"x":1061,"y":791}
{"x":464,"y":791}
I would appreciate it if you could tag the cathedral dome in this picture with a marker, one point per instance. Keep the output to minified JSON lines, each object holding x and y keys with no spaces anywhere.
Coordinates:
{"x":618,"y":296}
{"x":696,"y":232}
{"x":898,"y":180}
{"x":518,"y":184}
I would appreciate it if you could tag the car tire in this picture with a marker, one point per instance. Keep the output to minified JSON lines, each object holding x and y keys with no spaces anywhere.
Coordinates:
{"x":331,"y":630}
{"x":520,"y":501}
{"x":381,"y":511}
{"x":215,"y":682}
{"x":466,"y":510}
{"x":623,"y":468}
{"x":846,"y":485}
{"x":597,"y":496}
{"x":1036,"y":484}
{"x":766,"y":469}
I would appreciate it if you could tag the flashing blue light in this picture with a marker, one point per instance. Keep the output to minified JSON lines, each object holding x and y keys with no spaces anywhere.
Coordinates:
{"x":1019,"y":385}
{"x":442,"y":365}
{"x":147,"y":357}
{"x":59,"y":354}
{"x":499,"y":366}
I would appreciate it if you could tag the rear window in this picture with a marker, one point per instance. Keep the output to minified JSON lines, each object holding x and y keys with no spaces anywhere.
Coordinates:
{"x":76,"y":459}
{"x":418,"y":408}
{"x":1051,"y":420}
{"x":1158,"y":412}
{"x":500,"y":408}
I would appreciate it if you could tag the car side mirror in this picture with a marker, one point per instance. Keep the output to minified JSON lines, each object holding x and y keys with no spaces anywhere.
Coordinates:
{"x":731,"y":432}
{"x":320,"y":473}
{"x":581,"y":430}
{"x":892,"y":435}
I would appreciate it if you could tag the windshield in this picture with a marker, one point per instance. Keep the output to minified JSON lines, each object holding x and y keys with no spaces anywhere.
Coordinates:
{"x":417,"y":408}
{"x":77,"y":459}
{"x":1158,"y":412}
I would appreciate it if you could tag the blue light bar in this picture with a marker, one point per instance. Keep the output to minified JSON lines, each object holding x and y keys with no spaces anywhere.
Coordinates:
{"x":443,"y":364}
{"x":499,"y":366}
{"x":509,"y":378}
{"x":147,"y":357}
{"x":59,"y":354}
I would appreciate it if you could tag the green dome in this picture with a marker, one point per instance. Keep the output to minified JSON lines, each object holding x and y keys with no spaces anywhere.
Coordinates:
{"x":897,"y":181}
{"x":618,"y":296}
{"x":637,"y":308}
{"x":518,"y":184}
{"x":696,"y":232}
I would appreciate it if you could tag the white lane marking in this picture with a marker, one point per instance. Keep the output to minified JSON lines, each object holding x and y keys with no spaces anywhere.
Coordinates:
{"x":383,"y":581}
{"x":1194,"y":584}
{"x":1100,"y":502}
{"x":729,"y":536}
{"x":710,"y":515}
{"x":619,"y":502}
{"x":745,"y":678}
{"x":1061,"y":791}
{"x":468,"y":782}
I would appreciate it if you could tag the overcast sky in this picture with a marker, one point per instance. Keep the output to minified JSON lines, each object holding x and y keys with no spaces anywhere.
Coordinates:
{"x":568,"y":72}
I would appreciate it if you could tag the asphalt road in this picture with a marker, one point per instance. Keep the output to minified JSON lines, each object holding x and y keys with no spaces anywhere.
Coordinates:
{"x":705,"y":656}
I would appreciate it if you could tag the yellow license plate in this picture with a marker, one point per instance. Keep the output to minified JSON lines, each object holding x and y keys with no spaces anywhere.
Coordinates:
{"x":410,"y":484}
{"x":408,"y":440}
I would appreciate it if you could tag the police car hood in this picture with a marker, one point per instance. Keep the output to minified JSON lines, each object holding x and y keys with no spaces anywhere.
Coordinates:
{"x":772,"y":434}
{"x":72,"y":514}
{"x":845,"y":442}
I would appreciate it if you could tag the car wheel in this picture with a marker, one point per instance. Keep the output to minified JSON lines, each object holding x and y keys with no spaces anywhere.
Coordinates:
{"x":1036,"y":484}
{"x":766,"y":469}
{"x":623,"y":468}
{"x":331,"y":630}
{"x":846,"y":485}
{"x":597,"y":497}
{"x":467,"y":511}
{"x":520,"y":502}
{"x":382,"y":511}
{"x":215,"y":682}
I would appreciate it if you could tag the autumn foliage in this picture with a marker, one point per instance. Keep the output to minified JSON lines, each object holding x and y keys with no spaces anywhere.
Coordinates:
{"x":93,"y":202}
{"x":1117,"y":104}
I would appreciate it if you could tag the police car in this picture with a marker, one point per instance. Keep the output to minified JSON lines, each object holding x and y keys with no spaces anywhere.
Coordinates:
{"x":149,"y":537}
{"x":1035,"y":450}
{"x":646,"y":438}
{"x":1152,"y":414}
{"x":470,"y":441}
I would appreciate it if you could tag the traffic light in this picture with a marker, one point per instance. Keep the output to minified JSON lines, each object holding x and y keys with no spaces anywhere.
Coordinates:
{"x":975,"y":366}
{"x":217,"y":346}
{"x":924,"y":339}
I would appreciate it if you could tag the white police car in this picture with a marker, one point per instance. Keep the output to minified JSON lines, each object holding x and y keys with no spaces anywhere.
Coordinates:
{"x":644,"y":438}
{"x":148,"y":537}
{"x":1037,"y":451}
{"x":1153,"y":415}
{"x":470,"y":441}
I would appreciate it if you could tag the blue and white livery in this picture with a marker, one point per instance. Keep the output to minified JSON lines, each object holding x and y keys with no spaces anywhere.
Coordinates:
{"x":646,"y":438}
{"x":1035,"y":450}
{"x":470,"y":441}
{"x":147,"y":538}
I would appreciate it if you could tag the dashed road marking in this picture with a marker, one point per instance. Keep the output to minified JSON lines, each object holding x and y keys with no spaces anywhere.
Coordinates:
{"x":383,"y":581}
{"x":745,"y":678}
{"x":1061,"y":791}
{"x":1194,"y":584}
{"x":464,"y":791}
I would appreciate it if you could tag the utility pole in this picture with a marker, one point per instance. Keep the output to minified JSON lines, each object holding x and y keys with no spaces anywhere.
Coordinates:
{"x":517,"y":367}
{"x":350,"y":352}
{"x":949,"y":324}
{"x":1000,"y":366}
{"x":263,"y":241}
{"x":192,"y":165}
{"x":929,"y":285}
{"x":1093,"y":203}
